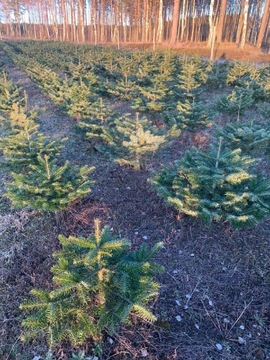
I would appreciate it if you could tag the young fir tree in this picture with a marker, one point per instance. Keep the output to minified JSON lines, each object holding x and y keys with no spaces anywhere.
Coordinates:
{"x":100,"y":117}
{"x":145,"y":72}
{"x":77,"y":98}
{"x":217,"y":185}
{"x":124,"y":89}
{"x":264,"y":79}
{"x":99,"y":282}
{"x":10,"y":94}
{"x":217,"y":75}
{"x":264,"y":109}
{"x":237,"y":102}
{"x":151,"y":98}
{"x":47,"y":186}
{"x":48,"y":81}
{"x":132,"y":140}
{"x":168,"y":67}
{"x":249,"y":137}
{"x":189,"y":80}
{"x":242,"y":72}
{"x":189,"y":115}
{"x":81,"y":72}
{"x":24,"y":142}
{"x":245,"y":76}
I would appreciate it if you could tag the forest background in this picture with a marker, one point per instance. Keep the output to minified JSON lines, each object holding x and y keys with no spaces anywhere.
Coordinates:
{"x":156,"y":22}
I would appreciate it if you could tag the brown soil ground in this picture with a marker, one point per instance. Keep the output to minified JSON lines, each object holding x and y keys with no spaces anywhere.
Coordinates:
{"x":215,"y":288}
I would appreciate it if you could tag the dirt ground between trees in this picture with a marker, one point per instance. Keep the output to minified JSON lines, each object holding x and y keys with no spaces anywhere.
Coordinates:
{"x":215,"y":288}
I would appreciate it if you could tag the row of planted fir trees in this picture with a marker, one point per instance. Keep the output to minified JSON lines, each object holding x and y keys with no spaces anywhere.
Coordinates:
{"x":98,"y":280}
{"x":219,"y":184}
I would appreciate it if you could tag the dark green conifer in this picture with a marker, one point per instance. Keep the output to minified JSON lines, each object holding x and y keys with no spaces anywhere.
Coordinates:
{"x":124,"y":89}
{"x":237,"y":102}
{"x":217,"y":185}
{"x":99,"y":284}
{"x":47,"y":186}
{"x":132,"y":140}
{"x":250,"y":137}
{"x":100,"y":117}
{"x":24,"y":142}
{"x":189,"y":115}
{"x":10,"y":94}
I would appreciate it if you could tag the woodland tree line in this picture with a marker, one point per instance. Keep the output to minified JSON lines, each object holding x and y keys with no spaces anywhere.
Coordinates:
{"x":141,"y":21}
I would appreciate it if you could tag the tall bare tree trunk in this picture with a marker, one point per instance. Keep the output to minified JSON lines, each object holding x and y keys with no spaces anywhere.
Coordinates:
{"x":183,"y":20}
{"x":245,"y":19}
{"x":211,"y":24}
{"x":175,"y":21}
{"x":264,"y":23}
{"x":240,"y":22}
{"x":160,"y":27}
{"x":220,"y":24}
{"x":81,"y":20}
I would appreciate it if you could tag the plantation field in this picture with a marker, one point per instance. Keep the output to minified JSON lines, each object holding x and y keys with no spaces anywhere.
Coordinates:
{"x":127,"y":114}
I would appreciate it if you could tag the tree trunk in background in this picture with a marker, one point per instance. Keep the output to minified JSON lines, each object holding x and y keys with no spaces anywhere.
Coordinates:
{"x":193,"y":15}
{"x":175,"y":21}
{"x":264,"y":23}
{"x":81,"y":19}
{"x":184,"y":19}
{"x":160,"y":27}
{"x":240,"y":23}
{"x":102,"y":25}
{"x":245,"y":19}
{"x":64,"y":18}
{"x":211,"y":24}
{"x":220,"y":24}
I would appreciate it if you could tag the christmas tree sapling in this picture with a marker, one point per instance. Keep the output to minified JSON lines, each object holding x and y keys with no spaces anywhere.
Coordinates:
{"x":217,"y":185}
{"x":24,"y":142}
{"x":100,"y":117}
{"x":99,"y":282}
{"x":47,"y":186}
{"x":132,"y":140}
{"x":249,"y":137}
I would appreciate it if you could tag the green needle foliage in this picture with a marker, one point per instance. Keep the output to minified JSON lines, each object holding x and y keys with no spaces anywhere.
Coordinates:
{"x":124,"y":89}
{"x":249,"y":137}
{"x":100,"y":117}
{"x":79,"y":72}
{"x":10,"y":94}
{"x":189,"y":115}
{"x":47,"y":186}
{"x":77,"y":98}
{"x":47,"y":79}
{"x":132,"y":140}
{"x":151,"y":98}
{"x":99,"y":282}
{"x":24,"y":142}
{"x":216,"y":186}
{"x":217,"y":75}
{"x":241,"y":73}
{"x":189,"y":79}
{"x":264,"y":109}
{"x":237,"y":102}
